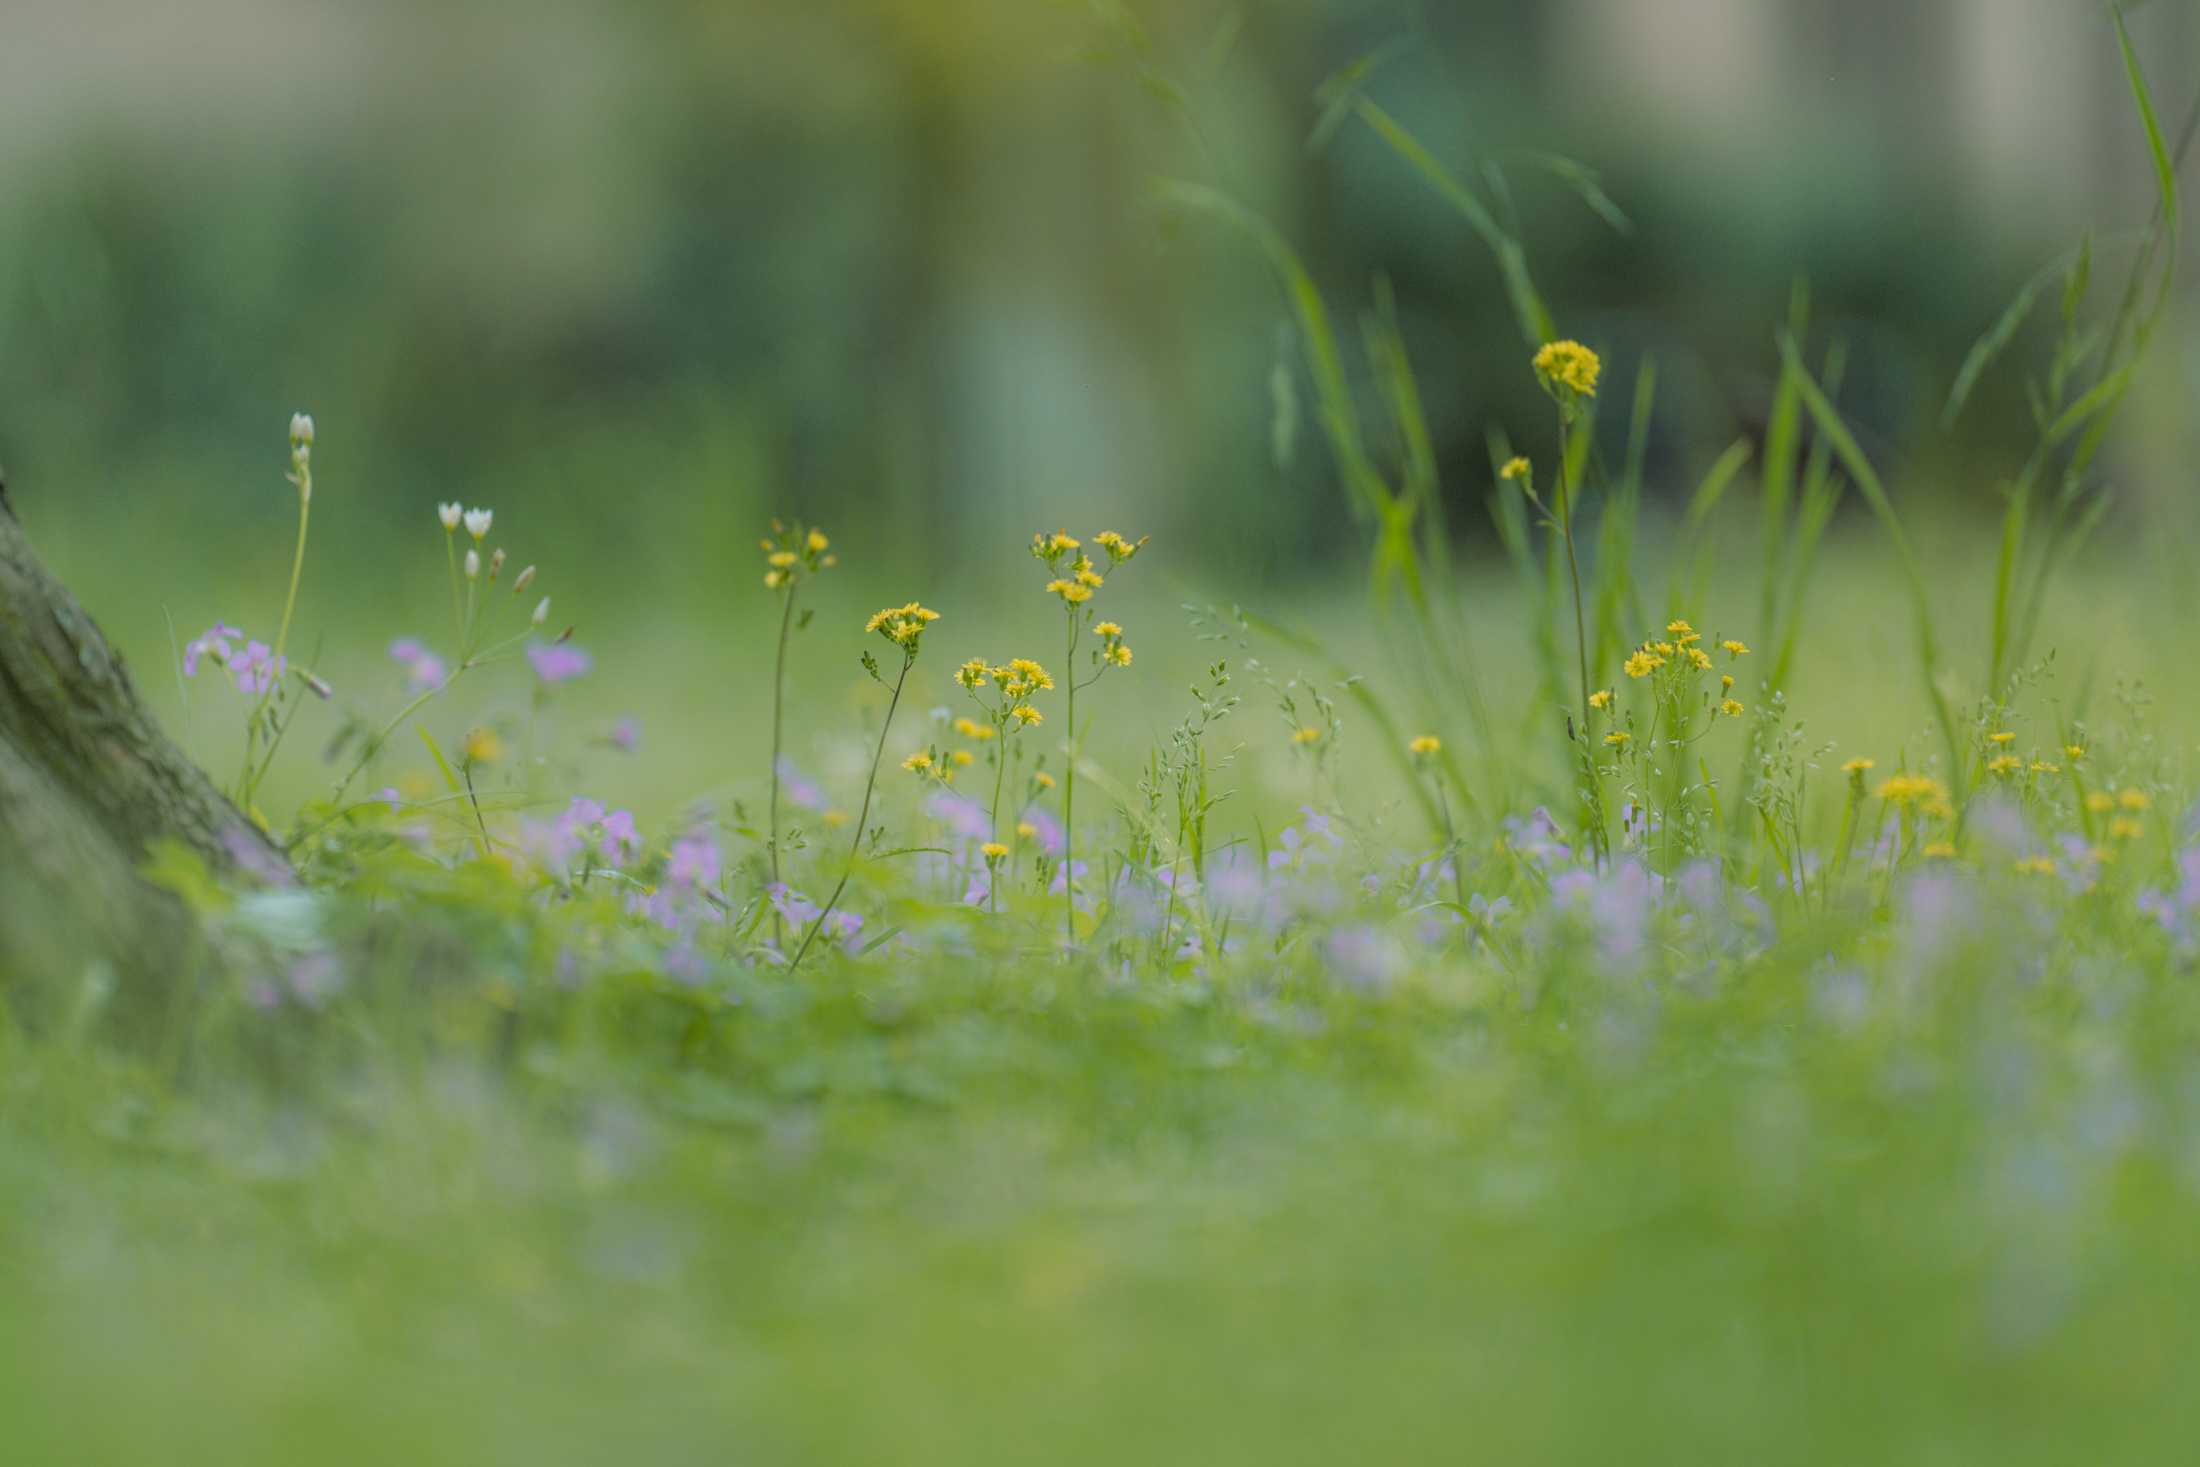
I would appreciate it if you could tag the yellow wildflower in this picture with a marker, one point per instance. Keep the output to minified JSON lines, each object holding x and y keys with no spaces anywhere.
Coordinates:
{"x":1698,"y":659}
{"x":973,"y":672}
{"x":1043,"y":779}
{"x":1859,"y":766}
{"x":1726,"y":682}
{"x":2034,"y":866}
{"x":1663,"y":649}
{"x":1107,"y":629}
{"x":993,"y":850}
{"x":1056,"y":543}
{"x":1120,"y":655}
{"x":1306,"y":735}
{"x":2004,"y":764}
{"x":1731,"y":708}
{"x":1071,"y":593}
{"x":2134,"y":799}
{"x":483,"y":746}
{"x":1026,"y":715}
{"x":2042,"y":766}
{"x":1118,"y":548}
{"x":2126,"y":827}
{"x":1030,"y":673}
{"x":902,"y":625}
{"x":1025,"y":830}
{"x":1086,"y":575}
{"x":1681,"y":632}
{"x":2073,"y":752}
{"x":1425,"y":744}
{"x":1643,"y":663}
{"x":1910,"y":789}
{"x":2100,"y":802}
{"x":1601,"y":698}
{"x":834,"y":819}
{"x":1735,"y":648}
{"x":1569,"y":365}
{"x":780,"y":559}
{"x":1617,"y":737}
{"x":963,"y":758}
{"x":917,"y":763}
{"x":2001,"y":737}
{"x":1516,"y":467}
{"x":773,"y":580}
{"x":1940,"y":850}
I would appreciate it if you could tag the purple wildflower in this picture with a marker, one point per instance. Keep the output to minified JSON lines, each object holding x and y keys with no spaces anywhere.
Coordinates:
{"x":559,"y":661}
{"x":967,"y":818}
{"x":792,"y":905}
{"x":213,"y":642}
{"x":798,"y":786}
{"x":424,"y":671}
{"x":626,"y":736}
{"x":695,"y":862}
{"x":257,"y":667}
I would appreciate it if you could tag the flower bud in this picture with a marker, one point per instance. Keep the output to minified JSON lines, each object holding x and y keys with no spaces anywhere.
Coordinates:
{"x":319,"y":685}
{"x":523,"y":580}
{"x":496,"y":562}
{"x":473,"y":565}
{"x":301,"y":430}
{"x":542,"y":612}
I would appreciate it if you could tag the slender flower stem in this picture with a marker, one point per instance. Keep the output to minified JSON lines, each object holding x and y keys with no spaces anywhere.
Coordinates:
{"x":297,"y":566}
{"x":1573,"y":570}
{"x":1581,"y":628}
{"x":855,"y":848}
{"x":458,"y":603}
{"x":1069,"y":788}
{"x":993,"y":818}
{"x":779,"y":699}
{"x":248,"y":782}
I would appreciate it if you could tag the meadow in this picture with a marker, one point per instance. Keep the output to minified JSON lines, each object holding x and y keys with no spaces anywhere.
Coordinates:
{"x":1710,"y":979}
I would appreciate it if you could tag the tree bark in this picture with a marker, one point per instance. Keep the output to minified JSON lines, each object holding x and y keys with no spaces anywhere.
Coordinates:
{"x":89,"y":784}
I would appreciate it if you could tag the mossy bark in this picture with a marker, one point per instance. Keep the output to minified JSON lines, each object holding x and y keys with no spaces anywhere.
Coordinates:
{"x":89,"y":784}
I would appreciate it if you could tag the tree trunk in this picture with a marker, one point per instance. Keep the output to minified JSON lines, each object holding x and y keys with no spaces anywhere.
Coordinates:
{"x":88,"y":786}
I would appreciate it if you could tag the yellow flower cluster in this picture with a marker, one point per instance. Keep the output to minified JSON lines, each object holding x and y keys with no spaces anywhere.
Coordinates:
{"x":1425,"y":745}
{"x":1307,"y":734}
{"x":1118,"y":548}
{"x":1017,"y":679}
{"x":993,"y":851}
{"x":1024,"y":676}
{"x":1911,"y":789}
{"x":1071,"y":592}
{"x":1568,"y":367}
{"x":1113,"y":651}
{"x":1516,"y":469}
{"x":791,"y":552}
{"x":1076,"y":577}
{"x":902,"y":625}
{"x":1601,"y":699}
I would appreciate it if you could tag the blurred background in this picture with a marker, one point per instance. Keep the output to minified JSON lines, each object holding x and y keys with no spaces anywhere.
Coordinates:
{"x":642,"y":273}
